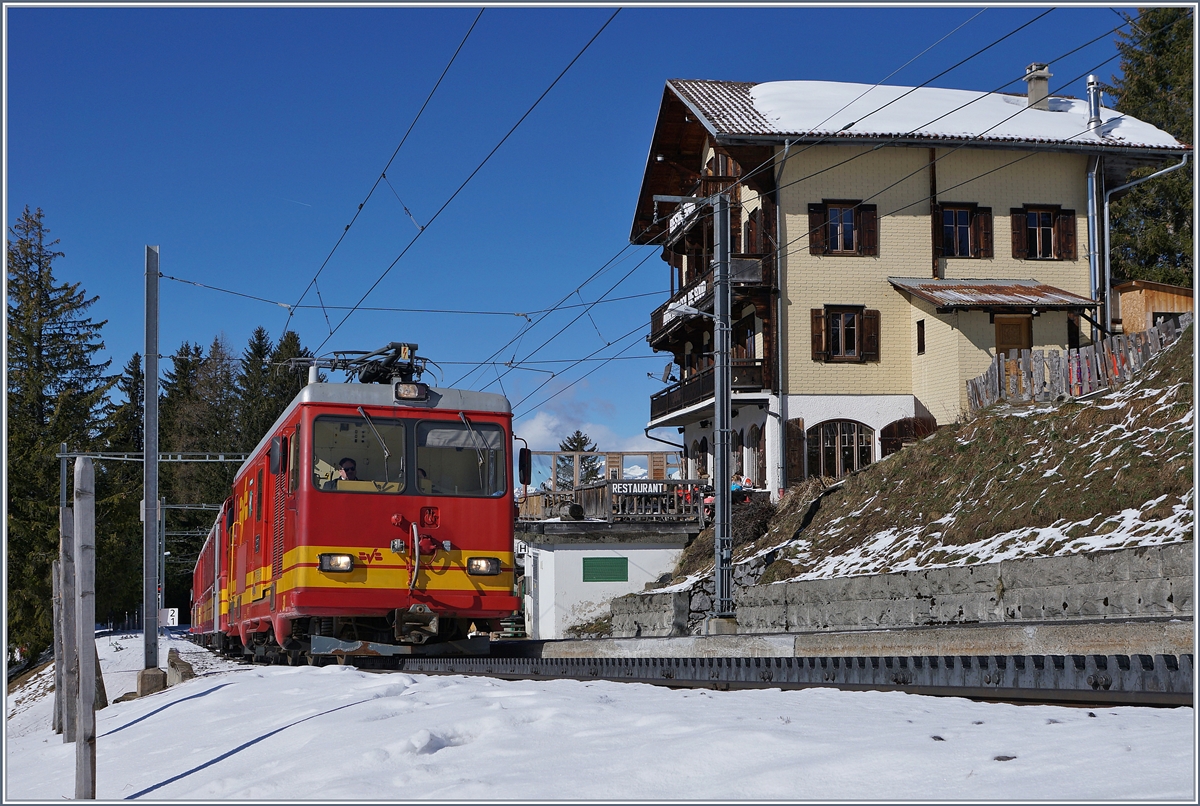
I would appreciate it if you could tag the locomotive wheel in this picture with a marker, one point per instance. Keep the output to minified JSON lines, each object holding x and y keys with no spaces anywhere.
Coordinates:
{"x":294,"y":657}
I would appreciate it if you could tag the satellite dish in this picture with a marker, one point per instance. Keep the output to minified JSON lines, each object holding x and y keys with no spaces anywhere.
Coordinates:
{"x":666,"y":376}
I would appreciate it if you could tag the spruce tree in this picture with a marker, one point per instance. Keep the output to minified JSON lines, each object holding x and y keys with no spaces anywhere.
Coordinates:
{"x":256,"y":408}
{"x":118,"y":501}
{"x":590,"y":467}
{"x":56,"y":387}
{"x":283,"y":384}
{"x":1151,"y":236}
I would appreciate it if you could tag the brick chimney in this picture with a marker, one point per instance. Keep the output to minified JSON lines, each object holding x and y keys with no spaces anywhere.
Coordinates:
{"x":1037,"y":76}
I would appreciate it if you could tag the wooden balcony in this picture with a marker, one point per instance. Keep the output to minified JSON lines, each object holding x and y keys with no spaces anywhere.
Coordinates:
{"x":748,"y":274}
{"x":747,"y":376}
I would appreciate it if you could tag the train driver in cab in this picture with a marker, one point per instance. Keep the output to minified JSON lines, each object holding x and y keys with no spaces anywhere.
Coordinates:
{"x":347,"y":471}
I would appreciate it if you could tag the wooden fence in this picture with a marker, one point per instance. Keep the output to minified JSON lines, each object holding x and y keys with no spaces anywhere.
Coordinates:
{"x":1034,"y":376}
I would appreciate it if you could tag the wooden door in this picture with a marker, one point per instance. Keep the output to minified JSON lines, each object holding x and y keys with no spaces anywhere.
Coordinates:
{"x":1013,"y":333}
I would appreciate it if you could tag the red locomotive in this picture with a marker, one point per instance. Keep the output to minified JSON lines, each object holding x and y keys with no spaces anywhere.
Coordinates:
{"x":372,"y":519}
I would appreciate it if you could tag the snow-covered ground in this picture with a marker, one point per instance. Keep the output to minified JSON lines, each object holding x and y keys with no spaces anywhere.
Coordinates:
{"x":337,"y":733}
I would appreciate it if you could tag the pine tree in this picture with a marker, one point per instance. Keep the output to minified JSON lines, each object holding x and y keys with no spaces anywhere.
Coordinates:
{"x":118,"y":501}
{"x":256,"y":409}
{"x":283,"y":384}
{"x":1151,"y":236}
{"x":56,"y":388}
{"x":590,"y":467}
{"x":198,"y":414}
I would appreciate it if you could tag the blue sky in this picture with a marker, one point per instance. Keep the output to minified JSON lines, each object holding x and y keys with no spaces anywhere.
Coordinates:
{"x":242,"y":140}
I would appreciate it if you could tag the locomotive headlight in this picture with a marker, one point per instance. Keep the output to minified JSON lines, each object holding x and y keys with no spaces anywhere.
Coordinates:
{"x":483,"y":566}
{"x":335,"y":562}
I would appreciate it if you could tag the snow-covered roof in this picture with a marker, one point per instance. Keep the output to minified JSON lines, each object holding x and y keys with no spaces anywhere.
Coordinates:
{"x":983,"y":294}
{"x":848,"y":110}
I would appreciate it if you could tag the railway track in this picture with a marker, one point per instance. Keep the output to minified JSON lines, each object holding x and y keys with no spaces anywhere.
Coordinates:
{"x":1100,"y":680}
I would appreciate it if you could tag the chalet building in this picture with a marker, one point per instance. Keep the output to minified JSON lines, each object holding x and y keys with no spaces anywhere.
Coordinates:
{"x":886,"y":242}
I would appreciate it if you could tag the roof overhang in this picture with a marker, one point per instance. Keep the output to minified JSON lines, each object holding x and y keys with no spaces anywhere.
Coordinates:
{"x":992,"y":295}
{"x":1165,"y":288}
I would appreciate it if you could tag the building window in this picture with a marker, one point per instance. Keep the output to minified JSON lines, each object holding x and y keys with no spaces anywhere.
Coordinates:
{"x":845,"y":333}
{"x":962,"y":229}
{"x":843,"y":228}
{"x":838,"y":447}
{"x":605,"y":569}
{"x":1039,"y":234}
{"x":1043,"y":232}
{"x":956,"y":232}
{"x":920,"y":337}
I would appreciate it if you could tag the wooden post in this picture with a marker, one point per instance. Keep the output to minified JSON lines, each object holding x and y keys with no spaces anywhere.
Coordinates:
{"x":56,"y":598}
{"x":66,"y":548}
{"x":1039,"y":373}
{"x":85,"y":620}
{"x":1155,"y":340}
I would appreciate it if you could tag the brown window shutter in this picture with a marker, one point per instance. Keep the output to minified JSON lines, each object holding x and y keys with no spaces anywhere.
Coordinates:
{"x":818,"y":334}
{"x":870,"y":336}
{"x":981,"y":231}
{"x":868,"y":229}
{"x":816,"y":229}
{"x":939,"y":232}
{"x":1064,"y":223}
{"x":1020,"y":248}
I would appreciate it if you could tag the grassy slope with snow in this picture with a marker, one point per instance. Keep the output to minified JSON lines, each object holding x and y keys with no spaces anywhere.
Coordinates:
{"x":1015,"y":481}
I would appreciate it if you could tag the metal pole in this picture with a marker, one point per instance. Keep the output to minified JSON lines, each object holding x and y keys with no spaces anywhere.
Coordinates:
{"x":56,"y":583}
{"x":59,"y":657}
{"x":85,"y":618}
{"x":722,"y":389}
{"x":70,"y":634}
{"x":162,"y":555}
{"x":150,"y":526}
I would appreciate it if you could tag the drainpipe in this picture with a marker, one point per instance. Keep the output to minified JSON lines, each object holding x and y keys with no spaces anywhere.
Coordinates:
{"x":1093,"y":251}
{"x":1107,"y":250}
{"x":779,"y":331}
{"x":1093,"y":124}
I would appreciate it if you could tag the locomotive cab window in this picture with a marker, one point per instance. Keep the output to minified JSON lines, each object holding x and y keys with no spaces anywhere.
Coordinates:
{"x":358,"y":455}
{"x":461,"y":458}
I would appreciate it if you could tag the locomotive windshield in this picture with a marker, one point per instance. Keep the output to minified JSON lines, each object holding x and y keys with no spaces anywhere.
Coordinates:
{"x":463,"y":458}
{"x":354,"y":454}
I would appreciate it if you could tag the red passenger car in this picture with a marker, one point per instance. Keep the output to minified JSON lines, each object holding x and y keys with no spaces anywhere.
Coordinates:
{"x":372,"y":518}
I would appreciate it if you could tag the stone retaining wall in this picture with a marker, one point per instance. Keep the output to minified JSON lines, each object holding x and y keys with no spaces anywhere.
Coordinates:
{"x":1123,"y":583}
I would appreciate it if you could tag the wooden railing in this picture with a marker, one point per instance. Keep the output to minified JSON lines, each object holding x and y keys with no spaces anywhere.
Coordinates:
{"x":665,"y":500}
{"x":747,"y":375}
{"x":1031,"y":376}
{"x":543,"y":504}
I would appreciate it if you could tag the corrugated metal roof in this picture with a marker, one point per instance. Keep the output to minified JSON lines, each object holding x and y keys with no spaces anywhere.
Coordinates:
{"x":845,"y":111}
{"x":984,"y":294}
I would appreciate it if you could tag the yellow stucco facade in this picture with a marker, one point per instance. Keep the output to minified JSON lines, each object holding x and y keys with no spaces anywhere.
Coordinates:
{"x":958,"y":345}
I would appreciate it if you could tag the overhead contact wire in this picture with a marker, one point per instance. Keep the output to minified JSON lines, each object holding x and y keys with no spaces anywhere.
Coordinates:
{"x":478,"y":168}
{"x":383,"y":173}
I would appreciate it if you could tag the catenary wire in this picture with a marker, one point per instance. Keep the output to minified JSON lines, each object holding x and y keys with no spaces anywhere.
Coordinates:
{"x":770,"y":162}
{"x":790,"y":243}
{"x":478,"y":168}
{"x":521,"y":314}
{"x":383,"y":173}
